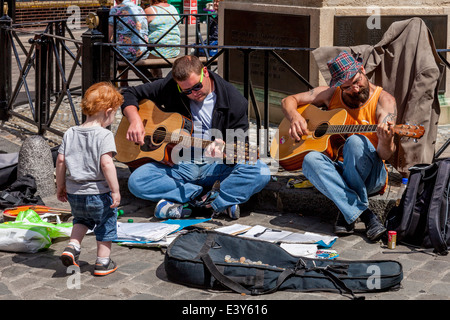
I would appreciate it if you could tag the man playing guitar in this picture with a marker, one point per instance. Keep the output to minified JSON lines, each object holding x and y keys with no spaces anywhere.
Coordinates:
{"x":216,"y":109}
{"x":359,"y":170}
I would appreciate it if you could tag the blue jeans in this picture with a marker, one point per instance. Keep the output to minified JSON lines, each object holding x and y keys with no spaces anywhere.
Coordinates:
{"x":93,"y":211}
{"x":349,"y":183}
{"x":185,"y":181}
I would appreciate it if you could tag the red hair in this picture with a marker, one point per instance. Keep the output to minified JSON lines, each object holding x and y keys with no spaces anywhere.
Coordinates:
{"x":100,"y":97}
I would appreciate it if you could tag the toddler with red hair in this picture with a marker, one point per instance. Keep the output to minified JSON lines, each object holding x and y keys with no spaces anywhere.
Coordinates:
{"x":86,"y":176}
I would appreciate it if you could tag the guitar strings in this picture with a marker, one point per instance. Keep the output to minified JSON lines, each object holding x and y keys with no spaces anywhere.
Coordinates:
{"x":165,"y":134}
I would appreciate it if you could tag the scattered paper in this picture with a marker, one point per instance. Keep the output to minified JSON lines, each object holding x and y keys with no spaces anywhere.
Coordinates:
{"x":266,"y":234}
{"x":153,"y":234}
{"x":277,"y":235}
{"x":300,"y":250}
{"x":234,"y":229}
{"x":146,"y":231}
{"x":298,"y":244}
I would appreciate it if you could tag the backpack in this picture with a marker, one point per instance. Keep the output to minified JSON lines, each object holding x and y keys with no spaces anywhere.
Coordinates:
{"x":20,"y":192}
{"x":8,"y":169}
{"x":213,"y":260}
{"x":422,"y":217}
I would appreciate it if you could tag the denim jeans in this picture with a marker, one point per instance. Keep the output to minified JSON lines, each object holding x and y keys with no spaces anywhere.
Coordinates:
{"x":185,"y":181}
{"x":93,"y":211}
{"x":349,"y":183}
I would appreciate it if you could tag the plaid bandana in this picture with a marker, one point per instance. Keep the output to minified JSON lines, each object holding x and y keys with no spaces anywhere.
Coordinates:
{"x":342,"y":68}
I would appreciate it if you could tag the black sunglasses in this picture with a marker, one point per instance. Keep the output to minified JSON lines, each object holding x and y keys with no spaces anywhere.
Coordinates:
{"x":196,"y":87}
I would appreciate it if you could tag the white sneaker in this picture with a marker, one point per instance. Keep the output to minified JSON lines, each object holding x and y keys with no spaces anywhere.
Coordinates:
{"x":166,"y":209}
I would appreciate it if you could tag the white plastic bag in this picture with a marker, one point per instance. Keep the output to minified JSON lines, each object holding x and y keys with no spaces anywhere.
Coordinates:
{"x":23,"y":238}
{"x":28,"y":233}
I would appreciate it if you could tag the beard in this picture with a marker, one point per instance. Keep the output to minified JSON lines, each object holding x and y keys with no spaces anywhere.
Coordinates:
{"x":359,"y":97}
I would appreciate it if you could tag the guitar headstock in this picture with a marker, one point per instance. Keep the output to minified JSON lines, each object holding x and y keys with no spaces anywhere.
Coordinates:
{"x":408,"y":130}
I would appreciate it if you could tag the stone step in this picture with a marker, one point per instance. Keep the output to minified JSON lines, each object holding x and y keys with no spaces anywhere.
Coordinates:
{"x":277,"y":197}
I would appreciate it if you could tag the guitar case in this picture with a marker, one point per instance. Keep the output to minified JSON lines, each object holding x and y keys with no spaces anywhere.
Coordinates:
{"x":212,"y":260}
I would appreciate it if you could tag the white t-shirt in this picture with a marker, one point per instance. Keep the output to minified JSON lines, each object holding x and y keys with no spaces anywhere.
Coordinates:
{"x":202,"y":118}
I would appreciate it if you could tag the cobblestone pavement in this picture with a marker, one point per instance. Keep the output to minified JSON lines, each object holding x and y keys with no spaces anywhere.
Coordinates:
{"x":141,"y":275}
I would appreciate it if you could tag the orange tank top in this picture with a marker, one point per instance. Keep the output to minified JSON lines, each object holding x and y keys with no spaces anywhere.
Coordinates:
{"x":366,"y":114}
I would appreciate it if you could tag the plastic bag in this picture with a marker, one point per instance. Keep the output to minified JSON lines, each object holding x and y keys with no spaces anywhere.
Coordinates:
{"x":28,"y":233}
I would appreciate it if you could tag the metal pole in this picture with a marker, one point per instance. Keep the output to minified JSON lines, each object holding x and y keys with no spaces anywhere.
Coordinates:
{"x":103,"y":28}
{"x":42,"y":74}
{"x":91,"y":70}
{"x":5,"y":66}
{"x":266,"y":100}
{"x":246,"y":71}
{"x":12,"y":9}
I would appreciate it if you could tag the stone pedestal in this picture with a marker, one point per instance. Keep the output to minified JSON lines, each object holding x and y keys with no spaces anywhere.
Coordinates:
{"x":35,"y":158}
{"x":328,"y":23}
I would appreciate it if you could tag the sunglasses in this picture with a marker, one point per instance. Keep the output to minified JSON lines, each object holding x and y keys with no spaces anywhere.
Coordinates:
{"x":196,"y":87}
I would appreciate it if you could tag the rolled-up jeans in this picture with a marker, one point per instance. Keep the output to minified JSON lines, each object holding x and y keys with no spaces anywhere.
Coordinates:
{"x":348,"y":183}
{"x":185,"y":181}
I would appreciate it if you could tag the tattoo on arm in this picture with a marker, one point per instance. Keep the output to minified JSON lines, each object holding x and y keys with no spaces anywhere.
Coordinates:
{"x":390,"y":117}
{"x":311,"y":92}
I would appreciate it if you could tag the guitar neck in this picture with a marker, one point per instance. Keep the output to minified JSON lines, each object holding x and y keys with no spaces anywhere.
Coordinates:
{"x":186,"y":141}
{"x":351,"y":128}
{"x":239,"y":151}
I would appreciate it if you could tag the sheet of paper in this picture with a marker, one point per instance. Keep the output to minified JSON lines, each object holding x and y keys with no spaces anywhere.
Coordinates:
{"x":308,"y":237}
{"x":234,"y":229}
{"x":146,"y":231}
{"x":300,"y":250}
{"x":266,"y":234}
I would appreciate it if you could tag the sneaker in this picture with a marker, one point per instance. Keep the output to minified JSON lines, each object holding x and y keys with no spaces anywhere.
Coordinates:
{"x":234,"y":212}
{"x":170,"y":210}
{"x":209,"y":197}
{"x":70,"y":256}
{"x":104,"y":269}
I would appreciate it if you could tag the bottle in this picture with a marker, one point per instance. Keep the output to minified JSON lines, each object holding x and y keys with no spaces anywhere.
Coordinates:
{"x":401,"y":190}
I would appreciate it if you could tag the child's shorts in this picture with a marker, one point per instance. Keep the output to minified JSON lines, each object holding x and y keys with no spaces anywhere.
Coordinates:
{"x":93,"y":211}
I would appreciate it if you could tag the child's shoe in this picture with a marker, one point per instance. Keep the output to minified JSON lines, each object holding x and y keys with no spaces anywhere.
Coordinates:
{"x":70,"y":256}
{"x":104,"y":269}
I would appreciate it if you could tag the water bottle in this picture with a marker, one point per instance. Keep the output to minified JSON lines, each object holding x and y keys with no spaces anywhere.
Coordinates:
{"x":401,"y":190}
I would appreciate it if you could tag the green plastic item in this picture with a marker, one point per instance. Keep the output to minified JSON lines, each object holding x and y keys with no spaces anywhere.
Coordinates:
{"x":28,"y":233}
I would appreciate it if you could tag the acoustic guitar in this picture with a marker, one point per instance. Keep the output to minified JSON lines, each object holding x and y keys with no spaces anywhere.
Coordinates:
{"x":328,"y":132}
{"x":167,"y":135}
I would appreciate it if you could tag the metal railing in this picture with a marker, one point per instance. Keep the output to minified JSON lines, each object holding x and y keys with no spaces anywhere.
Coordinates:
{"x":48,"y":58}
{"x":49,"y":53}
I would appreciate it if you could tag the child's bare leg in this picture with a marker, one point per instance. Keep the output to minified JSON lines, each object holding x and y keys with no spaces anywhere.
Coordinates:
{"x":71,"y":253}
{"x":78,"y":233}
{"x":103,"y":249}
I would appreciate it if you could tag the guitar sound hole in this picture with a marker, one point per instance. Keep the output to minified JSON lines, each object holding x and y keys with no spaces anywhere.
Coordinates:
{"x":158,"y":135}
{"x":148,"y":145}
{"x":153,"y":142}
{"x":321,"y":130}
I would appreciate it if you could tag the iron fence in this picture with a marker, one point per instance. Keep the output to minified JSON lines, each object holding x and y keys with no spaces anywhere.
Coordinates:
{"x":55,"y":65}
